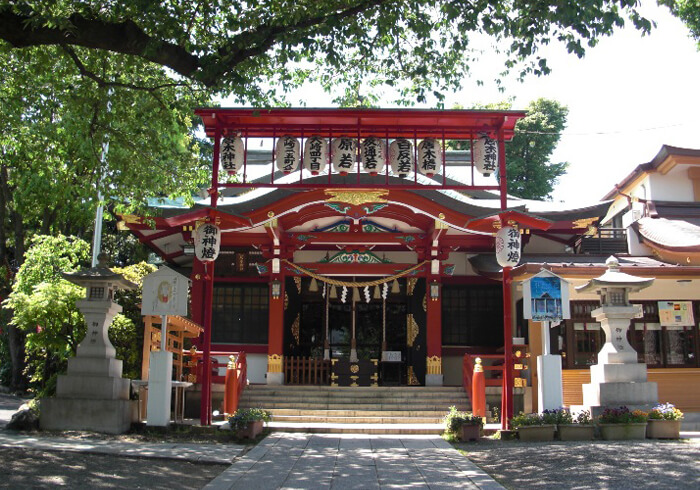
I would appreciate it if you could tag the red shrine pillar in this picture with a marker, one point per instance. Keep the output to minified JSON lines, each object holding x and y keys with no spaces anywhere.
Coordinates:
{"x":433,"y":372}
{"x":275,"y":337}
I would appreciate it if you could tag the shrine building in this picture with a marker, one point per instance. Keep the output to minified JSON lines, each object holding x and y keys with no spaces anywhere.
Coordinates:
{"x":354,"y":247}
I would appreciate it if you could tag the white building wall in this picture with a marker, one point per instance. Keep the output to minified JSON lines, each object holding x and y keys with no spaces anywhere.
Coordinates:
{"x":674,"y":186}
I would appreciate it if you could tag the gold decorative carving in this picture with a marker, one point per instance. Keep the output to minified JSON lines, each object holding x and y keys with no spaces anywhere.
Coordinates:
{"x":584,"y":222}
{"x":441,"y":225}
{"x":354,"y":368}
{"x":425,"y":302}
{"x":274,"y":363}
{"x":333,"y":361}
{"x":434,"y":365}
{"x":286,"y":300}
{"x":412,"y":380}
{"x":295,"y":328}
{"x":518,"y":367}
{"x":412,"y":329}
{"x":478,"y":368}
{"x":270,"y":214}
{"x":411,"y":285}
{"x":297,"y":281}
{"x":519,"y":383}
{"x":356,"y":197}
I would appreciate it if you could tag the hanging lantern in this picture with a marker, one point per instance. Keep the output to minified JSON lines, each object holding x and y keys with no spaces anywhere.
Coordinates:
{"x":401,"y":157}
{"x":429,"y":157}
{"x":508,"y":246}
{"x":485,"y":154}
{"x":287,"y":154}
{"x":373,"y":155}
{"x":231,"y":154}
{"x":207,"y":240}
{"x":315,"y":155}
{"x":343,"y":155}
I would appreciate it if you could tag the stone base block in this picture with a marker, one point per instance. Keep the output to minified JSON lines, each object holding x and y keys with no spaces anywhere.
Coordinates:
{"x":619,"y":373}
{"x":433,"y":380}
{"x":93,"y":387}
{"x":616,"y":394}
{"x":108,"y":416}
{"x":275,"y":378}
{"x":96,"y":366}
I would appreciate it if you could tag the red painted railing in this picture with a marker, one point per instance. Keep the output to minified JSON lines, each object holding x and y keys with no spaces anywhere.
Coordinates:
{"x":196,"y":365}
{"x":468,"y":370}
{"x":236,"y":381}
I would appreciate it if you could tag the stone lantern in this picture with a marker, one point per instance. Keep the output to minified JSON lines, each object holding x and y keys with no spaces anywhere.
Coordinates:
{"x":618,"y":378}
{"x":93,"y":395}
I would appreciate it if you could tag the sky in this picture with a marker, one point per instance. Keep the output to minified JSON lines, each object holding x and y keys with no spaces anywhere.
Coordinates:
{"x":627,"y":97}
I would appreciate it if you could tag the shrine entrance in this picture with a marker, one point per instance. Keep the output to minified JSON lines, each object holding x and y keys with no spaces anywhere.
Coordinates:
{"x":380,"y":326}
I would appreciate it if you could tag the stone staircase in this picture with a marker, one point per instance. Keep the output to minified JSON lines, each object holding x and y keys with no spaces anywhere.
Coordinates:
{"x":369,"y":410}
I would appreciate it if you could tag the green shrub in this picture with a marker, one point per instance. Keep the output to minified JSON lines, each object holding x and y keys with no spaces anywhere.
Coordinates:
{"x":454,"y":420}
{"x":243,"y":416}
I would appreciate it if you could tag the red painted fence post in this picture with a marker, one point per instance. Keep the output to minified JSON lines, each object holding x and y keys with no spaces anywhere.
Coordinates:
{"x":478,"y":390}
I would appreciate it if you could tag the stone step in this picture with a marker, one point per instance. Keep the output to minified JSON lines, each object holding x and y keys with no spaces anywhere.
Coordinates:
{"x":447,"y":401}
{"x":306,"y":419}
{"x":333,"y":428}
{"x":357,"y":406}
{"x":356,"y":389}
{"x":357,"y":413}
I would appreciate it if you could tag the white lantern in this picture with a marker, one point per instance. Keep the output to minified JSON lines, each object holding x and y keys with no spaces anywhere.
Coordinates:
{"x":207,"y":241}
{"x":373,"y":155}
{"x":315,"y":154}
{"x":231,"y":154}
{"x":401,"y":157}
{"x":429,"y":157}
{"x":486,"y":154}
{"x":287,"y":154}
{"x":343,"y":155}
{"x":508,"y":246}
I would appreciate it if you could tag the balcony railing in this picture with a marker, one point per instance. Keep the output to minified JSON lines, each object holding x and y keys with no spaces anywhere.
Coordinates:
{"x":605,"y":241}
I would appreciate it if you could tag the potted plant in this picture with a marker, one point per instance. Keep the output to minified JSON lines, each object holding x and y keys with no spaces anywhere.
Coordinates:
{"x":664,"y":422}
{"x":248,"y":422}
{"x":464,"y":425}
{"x":622,"y":424}
{"x":533,"y":427}
{"x":577,"y":427}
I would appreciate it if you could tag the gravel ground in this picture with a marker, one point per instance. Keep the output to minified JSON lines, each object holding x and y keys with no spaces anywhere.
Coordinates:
{"x":599,"y":464}
{"x":23,"y":468}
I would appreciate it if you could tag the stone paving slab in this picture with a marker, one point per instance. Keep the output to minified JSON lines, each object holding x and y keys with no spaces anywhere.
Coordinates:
{"x":352,"y":461}
{"x":196,"y":453}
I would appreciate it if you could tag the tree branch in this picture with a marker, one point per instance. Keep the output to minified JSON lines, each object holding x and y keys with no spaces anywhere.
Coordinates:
{"x":123,"y":37}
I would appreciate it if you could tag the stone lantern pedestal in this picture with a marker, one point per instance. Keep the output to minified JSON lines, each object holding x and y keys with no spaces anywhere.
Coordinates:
{"x":617,"y":378}
{"x":92,"y":395}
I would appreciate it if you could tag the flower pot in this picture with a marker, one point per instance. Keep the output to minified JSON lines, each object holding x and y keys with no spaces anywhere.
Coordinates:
{"x":576,"y":432}
{"x":623,"y":432}
{"x":251,"y":431}
{"x":536,"y":432}
{"x":663,"y":429}
{"x":470,"y":433}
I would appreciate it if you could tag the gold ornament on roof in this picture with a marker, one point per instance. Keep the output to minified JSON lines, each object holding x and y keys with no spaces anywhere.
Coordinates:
{"x":356,"y":197}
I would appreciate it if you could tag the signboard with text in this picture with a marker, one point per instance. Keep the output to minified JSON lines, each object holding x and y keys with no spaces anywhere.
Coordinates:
{"x":676,"y":313}
{"x":546,"y":298}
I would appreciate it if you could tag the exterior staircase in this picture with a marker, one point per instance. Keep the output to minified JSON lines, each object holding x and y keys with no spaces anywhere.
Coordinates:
{"x":375,"y":410}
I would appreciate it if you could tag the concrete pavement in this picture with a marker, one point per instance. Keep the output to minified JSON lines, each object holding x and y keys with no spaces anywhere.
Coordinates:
{"x":347,"y":461}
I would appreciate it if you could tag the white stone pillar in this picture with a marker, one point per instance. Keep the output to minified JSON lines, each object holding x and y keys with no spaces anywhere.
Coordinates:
{"x":160,"y":386}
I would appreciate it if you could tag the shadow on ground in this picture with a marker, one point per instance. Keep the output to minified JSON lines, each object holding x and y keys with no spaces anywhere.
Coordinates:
{"x":23,"y":469}
{"x":599,"y":464}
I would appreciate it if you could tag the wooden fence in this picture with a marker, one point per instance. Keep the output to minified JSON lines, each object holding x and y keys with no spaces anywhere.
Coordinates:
{"x":306,"y":371}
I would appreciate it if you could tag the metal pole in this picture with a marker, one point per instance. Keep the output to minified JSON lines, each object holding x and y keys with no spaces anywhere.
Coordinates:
{"x":545,"y":338}
{"x":99,"y":212}
{"x":164,"y":333}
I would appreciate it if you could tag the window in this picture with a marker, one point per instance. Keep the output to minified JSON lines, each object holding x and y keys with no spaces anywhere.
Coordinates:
{"x":656,"y":345}
{"x":240,"y":314}
{"x":472,"y":315}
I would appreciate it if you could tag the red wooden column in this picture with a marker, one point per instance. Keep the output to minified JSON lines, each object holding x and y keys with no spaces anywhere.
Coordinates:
{"x":507,"y":397}
{"x":433,"y":373}
{"x":275,"y":337}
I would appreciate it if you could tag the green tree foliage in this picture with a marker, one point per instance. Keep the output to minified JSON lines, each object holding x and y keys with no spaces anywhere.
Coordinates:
{"x":255,"y":49}
{"x":689,"y":12}
{"x":531,"y":175}
{"x":126,"y":331}
{"x":42,"y":305}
